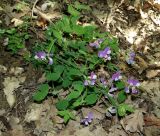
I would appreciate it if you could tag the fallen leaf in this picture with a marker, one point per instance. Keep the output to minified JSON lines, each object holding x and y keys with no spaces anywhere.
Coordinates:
{"x":153,"y":90}
{"x":117,"y":130}
{"x":47,"y":16}
{"x":141,"y":62}
{"x":47,"y":4}
{"x":133,"y":122}
{"x":17,"y":22}
{"x":3,"y":69}
{"x":151,"y":120}
{"x":152,"y":73}
{"x":10,"y":84}
{"x":16,"y":70}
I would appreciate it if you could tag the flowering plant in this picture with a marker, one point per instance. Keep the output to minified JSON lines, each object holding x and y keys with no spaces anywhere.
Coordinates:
{"x":79,"y":51}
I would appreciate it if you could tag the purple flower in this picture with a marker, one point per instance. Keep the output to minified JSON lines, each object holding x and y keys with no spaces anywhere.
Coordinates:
{"x":86,"y":82}
{"x":50,"y":60}
{"x":127,"y":90}
{"x":116,"y":76}
{"x":88,"y":119}
{"x":112,"y":89}
{"x":96,"y":43}
{"x":105,"y":53}
{"x":103,"y":81}
{"x":41,"y":55}
{"x":133,"y":82}
{"x":91,"y":79}
{"x":92,"y":82}
{"x":135,"y":91}
{"x":132,"y":90}
{"x":93,"y":76}
{"x":130,"y":58}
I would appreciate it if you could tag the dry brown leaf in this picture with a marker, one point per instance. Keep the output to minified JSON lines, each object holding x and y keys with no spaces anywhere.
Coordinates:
{"x":141,"y":62}
{"x":17,"y":22}
{"x":152,"y":121}
{"x":152,"y":73}
{"x":48,"y":16}
{"x":117,"y":130}
{"x":153,"y":90}
{"x":133,"y":122}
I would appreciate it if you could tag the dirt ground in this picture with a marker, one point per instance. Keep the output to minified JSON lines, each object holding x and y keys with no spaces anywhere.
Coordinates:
{"x":136,"y":24}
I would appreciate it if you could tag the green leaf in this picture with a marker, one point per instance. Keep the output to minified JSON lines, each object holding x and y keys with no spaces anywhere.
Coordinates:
{"x":66,"y":82}
{"x":41,"y":93}
{"x":2,"y":31}
{"x":121,"y":97}
{"x":74,"y":72}
{"x":67,"y":115}
{"x":78,"y":85}
{"x":62,"y":105}
{"x":61,"y":113}
{"x":80,"y":6}
{"x":66,"y":118}
{"x":72,"y":116}
{"x":53,"y":76}
{"x":73,"y":11}
{"x":120,"y":85}
{"x":121,"y":110}
{"x":57,"y":34}
{"x":59,"y":69}
{"x":79,"y":101}
{"x":73,"y":95}
{"x":91,"y":99}
{"x":129,"y":108}
{"x":79,"y":30}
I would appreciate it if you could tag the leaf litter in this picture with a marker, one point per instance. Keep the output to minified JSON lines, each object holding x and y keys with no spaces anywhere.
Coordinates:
{"x":136,"y":35}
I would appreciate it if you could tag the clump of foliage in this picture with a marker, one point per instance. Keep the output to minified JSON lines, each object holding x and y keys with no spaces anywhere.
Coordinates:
{"x":14,"y":38}
{"x":71,"y":58}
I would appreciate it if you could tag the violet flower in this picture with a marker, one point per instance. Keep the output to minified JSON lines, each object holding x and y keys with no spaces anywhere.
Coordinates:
{"x":116,"y":76}
{"x":88,"y":119}
{"x":105,"y":53}
{"x":134,"y":91}
{"x":41,"y":55}
{"x":96,"y":43}
{"x":133,"y":82}
{"x":91,"y":79}
{"x":112,"y":89}
{"x":127,"y":90}
{"x":93,"y":76}
{"x":103,"y":81}
{"x":130,"y":58}
{"x":86,"y":82}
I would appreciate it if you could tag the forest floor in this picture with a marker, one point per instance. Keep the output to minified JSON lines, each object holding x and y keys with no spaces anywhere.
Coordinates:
{"x":135,"y":24}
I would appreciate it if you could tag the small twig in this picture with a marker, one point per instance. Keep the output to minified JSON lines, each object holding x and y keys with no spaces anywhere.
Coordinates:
{"x":34,"y":5}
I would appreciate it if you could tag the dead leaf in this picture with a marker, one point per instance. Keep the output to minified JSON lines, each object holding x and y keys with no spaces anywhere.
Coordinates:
{"x":116,"y":130}
{"x":151,"y":120}
{"x":141,"y":62}
{"x":10,"y":84}
{"x":153,"y":90}
{"x":133,"y":122}
{"x":152,"y":73}
{"x":17,"y":22}
{"x":3,"y":69}
{"x":47,"y":4}
{"x":48,"y":16}
{"x":16,"y":70}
